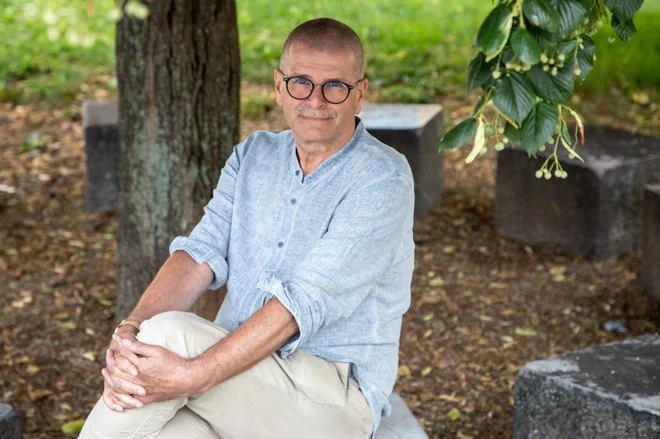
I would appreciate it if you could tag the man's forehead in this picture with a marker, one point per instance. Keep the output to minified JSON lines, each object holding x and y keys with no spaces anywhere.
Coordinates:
{"x":301,"y":57}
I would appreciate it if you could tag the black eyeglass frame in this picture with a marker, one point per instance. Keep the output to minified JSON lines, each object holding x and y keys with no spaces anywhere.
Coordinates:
{"x":286,"y":79}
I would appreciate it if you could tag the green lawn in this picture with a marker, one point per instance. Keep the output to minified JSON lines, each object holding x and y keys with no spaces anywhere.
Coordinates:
{"x":416,"y":50}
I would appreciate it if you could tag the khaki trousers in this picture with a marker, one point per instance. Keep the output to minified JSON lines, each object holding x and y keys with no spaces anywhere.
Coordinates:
{"x":301,"y":396}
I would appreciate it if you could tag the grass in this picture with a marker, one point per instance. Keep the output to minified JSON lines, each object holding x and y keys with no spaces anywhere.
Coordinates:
{"x":417,"y":50}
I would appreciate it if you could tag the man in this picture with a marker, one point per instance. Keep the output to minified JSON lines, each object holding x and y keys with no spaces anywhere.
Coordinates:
{"x":311,"y":229}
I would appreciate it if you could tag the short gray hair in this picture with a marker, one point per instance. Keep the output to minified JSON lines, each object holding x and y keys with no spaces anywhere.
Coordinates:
{"x":327,"y":34}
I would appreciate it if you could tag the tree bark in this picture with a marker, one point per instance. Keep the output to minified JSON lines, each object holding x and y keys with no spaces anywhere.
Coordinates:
{"x":179,"y":82}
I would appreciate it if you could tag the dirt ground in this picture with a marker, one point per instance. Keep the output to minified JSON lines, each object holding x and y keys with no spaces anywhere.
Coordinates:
{"x":482,"y":306}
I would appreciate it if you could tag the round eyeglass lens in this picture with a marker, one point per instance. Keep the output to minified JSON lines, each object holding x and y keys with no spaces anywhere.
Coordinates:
{"x":300,"y":88}
{"x":335,"y":92}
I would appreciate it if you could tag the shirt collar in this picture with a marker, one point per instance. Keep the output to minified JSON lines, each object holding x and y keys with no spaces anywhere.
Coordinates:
{"x":331,"y":161}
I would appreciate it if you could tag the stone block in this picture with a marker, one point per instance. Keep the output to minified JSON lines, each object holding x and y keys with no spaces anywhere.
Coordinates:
{"x":401,"y":424}
{"x":100,"y":123}
{"x":10,"y":423}
{"x":610,"y":391}
{"x":650,"y":277}
{"x":596,"y":211}
{"x":415,"y":130}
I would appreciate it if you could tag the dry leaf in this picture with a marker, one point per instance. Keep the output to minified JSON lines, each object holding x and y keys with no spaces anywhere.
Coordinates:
{"x":454,"y":414}
{"x":427,"y":370}
{"x":67,"y":325}
{"x":91,"y":356}
{"x":404,"y":371}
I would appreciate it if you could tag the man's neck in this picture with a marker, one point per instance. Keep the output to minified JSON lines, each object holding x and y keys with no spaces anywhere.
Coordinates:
{"x":312,"y":154}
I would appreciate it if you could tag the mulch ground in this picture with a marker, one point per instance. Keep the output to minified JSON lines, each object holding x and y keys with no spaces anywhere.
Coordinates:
{"x":482,"y":306}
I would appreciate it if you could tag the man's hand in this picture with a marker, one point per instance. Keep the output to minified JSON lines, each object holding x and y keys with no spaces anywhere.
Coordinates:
{"x":118,"y":389}
{"x":162,"y":374}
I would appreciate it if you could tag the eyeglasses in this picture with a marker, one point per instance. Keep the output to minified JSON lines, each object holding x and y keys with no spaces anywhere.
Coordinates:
{"x":301,"y":88}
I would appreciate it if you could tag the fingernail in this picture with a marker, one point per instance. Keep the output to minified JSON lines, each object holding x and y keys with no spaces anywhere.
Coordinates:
{"x":141,"y":392}
{"x":107,"y":353}
{"x":126,"y":342}
{"x":139,"y":404}
{"x":134,"y":373}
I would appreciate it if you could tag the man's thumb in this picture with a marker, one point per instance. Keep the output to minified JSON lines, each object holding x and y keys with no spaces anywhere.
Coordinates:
{"x":138,"y":348}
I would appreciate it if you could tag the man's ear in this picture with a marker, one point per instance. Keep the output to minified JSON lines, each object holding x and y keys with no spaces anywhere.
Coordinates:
{"x":279,"y":86}
{"x":361,"y":93}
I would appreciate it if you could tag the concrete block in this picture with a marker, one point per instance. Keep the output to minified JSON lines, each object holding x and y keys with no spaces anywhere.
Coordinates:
{"x":596,"y":211}
{"x":415,"y":130}
{"x":650,"y":277}
{"x":610,"y":391}
{"x":100,"y":123}
{"x":10,"y":423}
{"x":401,"y":424}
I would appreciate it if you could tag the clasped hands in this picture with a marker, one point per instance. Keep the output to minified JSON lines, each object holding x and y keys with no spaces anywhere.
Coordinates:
{"x":137,"y":374}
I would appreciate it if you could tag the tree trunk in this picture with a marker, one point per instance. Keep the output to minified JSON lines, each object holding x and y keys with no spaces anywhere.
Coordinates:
{"x":178,"y":77}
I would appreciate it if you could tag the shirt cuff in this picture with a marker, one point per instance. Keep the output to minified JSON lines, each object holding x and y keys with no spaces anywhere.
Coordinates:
{"x":203,"y":253}
{"x":274,"y":288}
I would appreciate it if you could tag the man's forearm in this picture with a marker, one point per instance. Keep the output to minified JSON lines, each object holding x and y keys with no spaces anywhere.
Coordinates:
{"x":178,"y":284}
{"x":258,"y":337}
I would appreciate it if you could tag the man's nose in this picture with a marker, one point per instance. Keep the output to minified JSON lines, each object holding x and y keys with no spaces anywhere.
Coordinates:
{"x":316,"y":99}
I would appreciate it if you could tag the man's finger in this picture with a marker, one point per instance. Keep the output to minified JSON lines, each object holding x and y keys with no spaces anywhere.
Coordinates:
{"x":110,"y":362}
{"x":144,"y":350}
{"x":111,"y":403}
{"x":128,"y":401}
{"x":124,"y":365}
{"x":120,"y":382}
{"x":125,"y":351}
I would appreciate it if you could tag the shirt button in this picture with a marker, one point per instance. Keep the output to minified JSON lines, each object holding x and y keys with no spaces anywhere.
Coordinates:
{"x":293,"y":201}
{"x":280,"y":244}
{"x":297,"y":172}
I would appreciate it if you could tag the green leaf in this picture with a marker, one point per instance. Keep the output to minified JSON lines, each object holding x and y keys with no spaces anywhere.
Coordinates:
{"x":495,"y":30}
{"x":512,"y":133}
{"x":558,"y":89}
{"x":479,"y":72}
{"x":73,"y":426}
{"x":538,"y":127}
{"x":542,"y":13}
{"x":525,"y":46}
{"x":565,"y":134}
{"x":571,"y":14}
{"x":626,"y":30}
{"x":543,"y":38}
{"x":568,"y":48}
{"x":525,"y":332}
{"x":626,"y":9}
{"x":460,"y":134}
{"x":481,"y":102}
{"x":585,"y":57}
{"x":515,"y":96}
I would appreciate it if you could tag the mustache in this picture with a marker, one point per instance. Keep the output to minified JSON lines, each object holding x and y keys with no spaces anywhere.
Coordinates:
{"x":325,"y":113}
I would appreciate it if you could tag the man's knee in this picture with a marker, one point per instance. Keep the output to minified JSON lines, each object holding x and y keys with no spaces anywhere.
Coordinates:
{"x":167,"y":330}
{"x":183,"y":333}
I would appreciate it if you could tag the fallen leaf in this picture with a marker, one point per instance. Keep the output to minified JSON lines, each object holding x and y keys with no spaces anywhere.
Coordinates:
{"x":428,"y":317}
{"x":404,"y":371}
{"x":91,"y":356}
{"x":67,"y":325}
{"x":437,"y":282}
{"x":454,"y":414}
{"x":73,"y":426}
{"x":32,"y":369}
{"x":427,"y":370}
{"x":525,"y":332}
{"x":76,"y":243}
{"x":449,"y":249}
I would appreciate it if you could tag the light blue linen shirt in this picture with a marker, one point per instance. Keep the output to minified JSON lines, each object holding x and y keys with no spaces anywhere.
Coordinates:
{"x":335,"y":247}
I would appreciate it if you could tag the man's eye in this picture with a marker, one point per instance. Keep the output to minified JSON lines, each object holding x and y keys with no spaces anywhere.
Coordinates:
{"x":300,"y":81}
{"x":335,"y":84}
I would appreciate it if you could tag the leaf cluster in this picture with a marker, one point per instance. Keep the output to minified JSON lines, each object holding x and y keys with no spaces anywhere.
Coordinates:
{"x":531,"y":53}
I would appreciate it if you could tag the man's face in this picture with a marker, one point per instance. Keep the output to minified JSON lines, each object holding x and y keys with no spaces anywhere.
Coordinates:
{"x":315,"y":120}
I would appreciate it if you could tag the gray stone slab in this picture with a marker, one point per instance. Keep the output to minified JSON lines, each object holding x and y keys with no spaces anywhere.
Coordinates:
{"x":415,"y":130}
{"x":596,"y":211}
{"x":10,"y":423}
{"x":610,"y":391}
{"x":401,"y":424}
{"x":650,"y":277}
{"x":101,"y":130}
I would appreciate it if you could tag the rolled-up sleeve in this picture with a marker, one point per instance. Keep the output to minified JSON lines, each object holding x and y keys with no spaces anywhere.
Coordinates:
{"x":338,"y":274}
{"x":209,"y":239}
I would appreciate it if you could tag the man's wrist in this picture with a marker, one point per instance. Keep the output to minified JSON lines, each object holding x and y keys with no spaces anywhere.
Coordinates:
{"x":202,"y":375}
